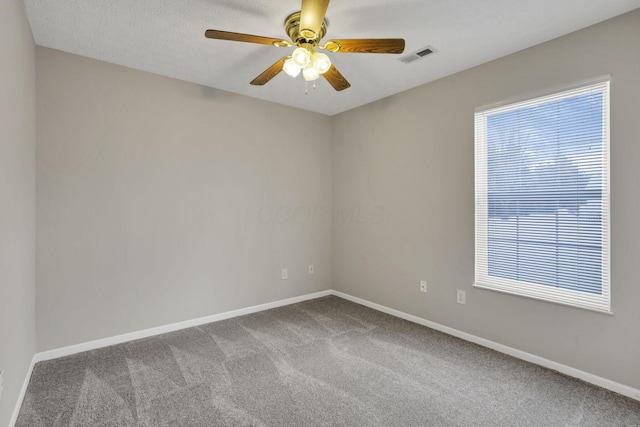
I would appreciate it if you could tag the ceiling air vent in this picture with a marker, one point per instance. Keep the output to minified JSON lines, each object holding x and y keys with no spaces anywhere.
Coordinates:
{"x":420,"y":53}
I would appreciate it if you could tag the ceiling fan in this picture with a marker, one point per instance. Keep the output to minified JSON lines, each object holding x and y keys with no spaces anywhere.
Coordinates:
{"x":306,"y":29}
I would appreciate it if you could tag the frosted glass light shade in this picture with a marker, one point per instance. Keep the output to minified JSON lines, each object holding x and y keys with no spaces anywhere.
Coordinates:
{"x":301,"y":57}
{"x":309,"y":73}
{"x":320,"y":62}
{"x":290,"y":68}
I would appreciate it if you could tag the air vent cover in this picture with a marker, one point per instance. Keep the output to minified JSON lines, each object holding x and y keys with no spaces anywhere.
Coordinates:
{"x":420,"y":53}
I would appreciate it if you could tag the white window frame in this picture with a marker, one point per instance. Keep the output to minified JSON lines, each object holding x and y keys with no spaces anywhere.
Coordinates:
{"x":597,"y":302}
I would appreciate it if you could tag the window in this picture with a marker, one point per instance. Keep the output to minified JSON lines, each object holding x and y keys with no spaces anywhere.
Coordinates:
{"x":542,"y":197}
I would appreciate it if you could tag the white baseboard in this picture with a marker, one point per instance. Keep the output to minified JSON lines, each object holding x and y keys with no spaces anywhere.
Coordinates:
{"x":23,"y":391}
{"x":119,"y":339}
{"x":519,"y":354}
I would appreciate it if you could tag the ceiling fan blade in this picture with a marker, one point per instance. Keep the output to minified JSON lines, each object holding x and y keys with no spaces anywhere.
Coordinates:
{"x":312,"y":15}
{"x":248,"y":38}
{"x":365,"y":46}
{"x":336,"y":79}
{"x":269,"y":73}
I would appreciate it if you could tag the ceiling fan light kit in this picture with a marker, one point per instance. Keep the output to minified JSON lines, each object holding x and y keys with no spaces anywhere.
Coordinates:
{"x":306,"y":29}
{"x":305,"y":59}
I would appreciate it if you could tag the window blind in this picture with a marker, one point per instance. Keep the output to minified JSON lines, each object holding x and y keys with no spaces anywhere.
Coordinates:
{"x":542,"y":197}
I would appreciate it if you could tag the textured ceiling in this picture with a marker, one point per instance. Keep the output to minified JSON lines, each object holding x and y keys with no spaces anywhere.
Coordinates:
{"x":167,"y":37}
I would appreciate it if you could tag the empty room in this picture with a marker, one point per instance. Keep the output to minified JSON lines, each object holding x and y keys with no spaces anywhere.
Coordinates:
{"x":319,"y":213}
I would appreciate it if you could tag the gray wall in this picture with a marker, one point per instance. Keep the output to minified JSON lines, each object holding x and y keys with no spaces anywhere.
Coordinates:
{"x":17,"y":201}
{"x":161,"y":201}
{"x":407,"y":164}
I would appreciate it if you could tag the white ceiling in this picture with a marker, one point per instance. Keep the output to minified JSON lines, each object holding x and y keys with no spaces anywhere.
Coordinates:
{"x":166,"y":37}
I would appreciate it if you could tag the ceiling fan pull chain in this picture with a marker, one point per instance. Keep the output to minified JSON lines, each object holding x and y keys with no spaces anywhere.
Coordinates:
{"x":306,"y":92}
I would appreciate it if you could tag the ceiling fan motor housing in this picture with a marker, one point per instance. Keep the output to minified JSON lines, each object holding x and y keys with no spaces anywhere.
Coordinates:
{"x":303,"y":36}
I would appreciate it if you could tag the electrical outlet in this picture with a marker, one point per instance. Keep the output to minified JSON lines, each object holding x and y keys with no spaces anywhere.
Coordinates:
{"x":423,"y":286}
{"x":462,"y":298}
{"x":285,"y":274}
{"x":310,"y":269}
{"x":1,"y":383}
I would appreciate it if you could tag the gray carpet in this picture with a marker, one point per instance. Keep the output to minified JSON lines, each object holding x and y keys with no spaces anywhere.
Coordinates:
{"x":325,"y":362}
